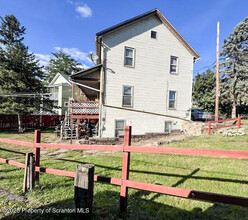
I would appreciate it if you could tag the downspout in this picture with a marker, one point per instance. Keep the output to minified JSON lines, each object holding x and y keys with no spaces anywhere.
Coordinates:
{"x":101,"y":60}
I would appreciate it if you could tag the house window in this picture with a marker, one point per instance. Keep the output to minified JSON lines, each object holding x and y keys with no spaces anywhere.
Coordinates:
{"x":167,"y":127}
{"x":172,"y":100}
{"x":119,"y":128}
{"x":129,"y":57}
{"x":174,"y":65}
{"x":154,"y":34}
{"x":127,"y":100}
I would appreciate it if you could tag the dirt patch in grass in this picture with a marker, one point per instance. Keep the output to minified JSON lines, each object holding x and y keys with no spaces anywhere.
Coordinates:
{"x":157,"y":141}
{"x":4,"y":193}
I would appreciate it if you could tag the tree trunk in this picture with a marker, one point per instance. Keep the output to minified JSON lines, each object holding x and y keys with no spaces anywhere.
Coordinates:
{"x":20,"y":125}
{"x":234,"y":109}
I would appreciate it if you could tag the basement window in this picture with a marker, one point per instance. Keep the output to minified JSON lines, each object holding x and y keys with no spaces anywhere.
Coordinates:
{"x":167,"y":127}
{"x":119,"y":128}
{"x":154,"y":34}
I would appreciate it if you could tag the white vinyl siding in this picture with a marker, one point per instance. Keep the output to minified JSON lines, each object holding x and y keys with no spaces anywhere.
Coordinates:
{"x":151,"y":78}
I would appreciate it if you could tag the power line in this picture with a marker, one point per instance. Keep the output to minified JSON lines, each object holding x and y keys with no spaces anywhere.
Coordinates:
{"x":205,"y":67}
{"x":25,"y":95}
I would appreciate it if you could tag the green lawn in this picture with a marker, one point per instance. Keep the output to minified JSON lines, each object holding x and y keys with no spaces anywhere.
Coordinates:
{"x":219,"y":175}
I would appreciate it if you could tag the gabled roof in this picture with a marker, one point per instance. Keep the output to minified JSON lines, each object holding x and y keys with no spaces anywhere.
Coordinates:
{"x":66,"y":77}
{"x":157,"y":13}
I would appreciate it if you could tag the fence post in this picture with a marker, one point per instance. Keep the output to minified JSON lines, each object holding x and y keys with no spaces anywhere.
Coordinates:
{"x":239,"y":122}
{"x":37,"y":139}
{"x":83,"y":189}
{"x":28,"y":183}
{"x":125,"y":169}
{"x":209,"y":127}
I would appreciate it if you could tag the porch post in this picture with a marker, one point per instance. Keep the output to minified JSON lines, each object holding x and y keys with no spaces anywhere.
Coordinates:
{"x":78,"y":120}
{"x":72,"y":90}
{"x":72,"y":96}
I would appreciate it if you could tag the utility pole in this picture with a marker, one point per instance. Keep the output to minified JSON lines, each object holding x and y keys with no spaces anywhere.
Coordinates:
{"x":217,"y":93}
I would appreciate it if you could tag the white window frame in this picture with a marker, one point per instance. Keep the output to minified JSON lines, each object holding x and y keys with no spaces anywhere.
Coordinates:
{"x":132,"y":88}
{"x":117,"y":120}
{"x":156,"y":35}
{"x":174,"y":65}
{"x":133,"y":58}
{"x":175,"y":105}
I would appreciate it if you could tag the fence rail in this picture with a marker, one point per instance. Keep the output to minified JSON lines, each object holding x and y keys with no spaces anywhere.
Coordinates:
{"x":124,"y":181}
{"x":210,"y":127}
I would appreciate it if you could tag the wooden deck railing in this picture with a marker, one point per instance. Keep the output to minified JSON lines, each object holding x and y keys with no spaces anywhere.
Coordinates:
{"x":85,"y":108}
{"x":124,"y":181}
{"x":210,"y":123}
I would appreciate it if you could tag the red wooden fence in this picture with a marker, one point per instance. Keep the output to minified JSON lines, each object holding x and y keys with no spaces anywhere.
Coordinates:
{"x":124,"y":181}
{"x":210,"y":127}
{"x":9,"y":122}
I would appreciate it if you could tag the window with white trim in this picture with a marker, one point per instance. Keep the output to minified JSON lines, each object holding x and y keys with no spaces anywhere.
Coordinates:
{"x":174,"y":65}
{"x":127,"y":99}
{"x":129,"y":57}
{"x":172,"y":99}
{"x":119,"y":128}
{"x":167,"y":126}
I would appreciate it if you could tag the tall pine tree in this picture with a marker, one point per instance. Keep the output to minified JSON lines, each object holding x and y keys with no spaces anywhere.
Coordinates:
{"x":204,"y":91}
{"x":234,"y":68}
{"x":19,"y":72}
{"x":61,"y":63}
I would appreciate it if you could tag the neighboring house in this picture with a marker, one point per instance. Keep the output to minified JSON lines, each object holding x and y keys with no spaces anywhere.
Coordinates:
{"x":60,"y":89}
{"x":143,"y":77}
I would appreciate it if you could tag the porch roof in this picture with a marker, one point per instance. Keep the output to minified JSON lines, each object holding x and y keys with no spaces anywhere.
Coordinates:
{"x":88,"y":80}
{"x":90,"y":73}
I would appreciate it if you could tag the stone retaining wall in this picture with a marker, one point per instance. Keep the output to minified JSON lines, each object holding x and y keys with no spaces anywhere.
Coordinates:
{"x":194,"y":128}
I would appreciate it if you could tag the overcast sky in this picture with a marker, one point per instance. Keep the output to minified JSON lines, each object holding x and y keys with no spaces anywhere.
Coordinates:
{"x":70,"y":25}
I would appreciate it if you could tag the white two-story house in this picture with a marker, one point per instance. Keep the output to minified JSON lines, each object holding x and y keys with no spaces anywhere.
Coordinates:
{"x":60,"y":90}
{"x":143,"y":77}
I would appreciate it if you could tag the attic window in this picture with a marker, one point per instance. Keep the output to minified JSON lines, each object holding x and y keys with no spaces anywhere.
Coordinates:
{"x":154,"y":34}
